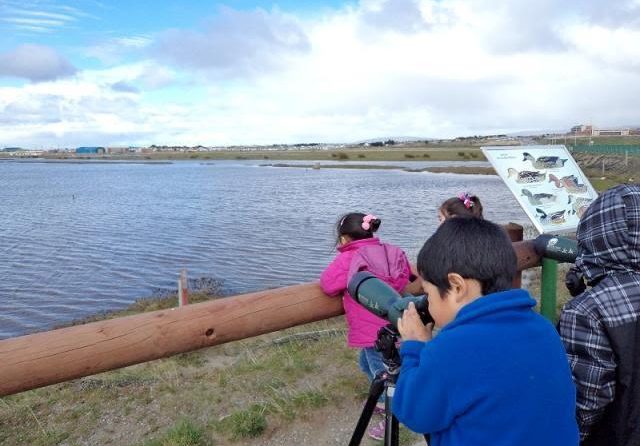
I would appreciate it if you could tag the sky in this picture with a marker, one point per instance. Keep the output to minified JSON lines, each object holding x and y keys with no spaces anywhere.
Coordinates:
{"x":141,"y":72}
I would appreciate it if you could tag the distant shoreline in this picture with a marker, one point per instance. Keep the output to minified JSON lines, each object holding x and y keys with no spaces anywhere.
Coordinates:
{"x":388,"y":154}
{"x":464,"y":170}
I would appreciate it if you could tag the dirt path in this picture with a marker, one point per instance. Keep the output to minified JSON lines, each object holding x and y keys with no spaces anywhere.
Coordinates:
{"x":326,"y":427}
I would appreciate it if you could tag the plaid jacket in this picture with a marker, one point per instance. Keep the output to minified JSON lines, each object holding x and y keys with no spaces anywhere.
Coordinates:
{"x":601,"y":327}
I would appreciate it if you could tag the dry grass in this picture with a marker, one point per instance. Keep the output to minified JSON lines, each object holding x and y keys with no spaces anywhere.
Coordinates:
{"x":224,"y":393}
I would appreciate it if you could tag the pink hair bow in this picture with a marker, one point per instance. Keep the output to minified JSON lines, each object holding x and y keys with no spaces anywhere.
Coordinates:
{"x":466,"y":200}
{"x":366,"y":221}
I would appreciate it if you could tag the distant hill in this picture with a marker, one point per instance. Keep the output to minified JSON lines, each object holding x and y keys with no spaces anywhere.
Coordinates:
{"x":395,"y":138}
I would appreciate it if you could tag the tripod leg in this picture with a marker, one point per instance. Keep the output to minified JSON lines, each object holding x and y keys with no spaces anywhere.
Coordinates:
{"x":375,"y":390}
{"x":392,"y":427}
{"x":392,"y":431}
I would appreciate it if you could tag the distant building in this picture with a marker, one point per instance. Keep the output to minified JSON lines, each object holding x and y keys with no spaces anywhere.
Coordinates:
{"x":90,"y":151}
{"x":610,"y":132}
{"x":589,"y":130}
{"x":582,"y":130}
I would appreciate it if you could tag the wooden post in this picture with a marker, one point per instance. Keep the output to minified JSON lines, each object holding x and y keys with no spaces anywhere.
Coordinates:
{"x":183,"y":289}
{"x":515,"y":232}
{"x":41,"y":359}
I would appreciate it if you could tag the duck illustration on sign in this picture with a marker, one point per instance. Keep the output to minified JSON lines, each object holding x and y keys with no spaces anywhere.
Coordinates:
{"x":546,"y":182}
{"x":540,"y":198}
{"x":570,"y":183}
{"x":579,"y":205}
{"x":544,"y":162}
{"x":526,"y":176}
{"x":554,"y":218}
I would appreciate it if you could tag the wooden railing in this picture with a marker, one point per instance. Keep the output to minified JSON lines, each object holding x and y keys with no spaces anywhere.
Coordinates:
{"x":41,"y":359}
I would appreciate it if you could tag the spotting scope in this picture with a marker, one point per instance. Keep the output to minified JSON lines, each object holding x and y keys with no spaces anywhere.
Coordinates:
{"x":562,"y":249}
{"x":382,"y":300}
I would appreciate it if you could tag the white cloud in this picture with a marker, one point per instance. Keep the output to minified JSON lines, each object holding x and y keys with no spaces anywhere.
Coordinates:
{"x":36,"y":63}
{"x":37,"y":16}
{"x":610,"y":48}
{"x":235,"y":43}
{"x":116,"y":49}
{"x":461,"y":67}
{"x":403,"y":16}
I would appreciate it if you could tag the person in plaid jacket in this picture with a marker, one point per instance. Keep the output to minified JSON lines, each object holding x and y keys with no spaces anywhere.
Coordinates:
{"x":600,"y":328}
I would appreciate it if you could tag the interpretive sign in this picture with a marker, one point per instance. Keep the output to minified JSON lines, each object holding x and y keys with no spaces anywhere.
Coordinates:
{"x":547,"y":183}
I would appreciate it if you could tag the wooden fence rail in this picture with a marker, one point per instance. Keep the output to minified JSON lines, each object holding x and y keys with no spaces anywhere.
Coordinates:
{"x":41,"y":359}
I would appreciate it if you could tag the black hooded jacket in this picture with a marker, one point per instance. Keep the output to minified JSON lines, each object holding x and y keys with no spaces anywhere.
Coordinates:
{"x":601,"y":327}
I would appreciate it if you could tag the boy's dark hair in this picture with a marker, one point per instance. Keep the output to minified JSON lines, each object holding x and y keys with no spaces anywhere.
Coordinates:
{"x":459,"y":207}
{"x":352,"y":225}
{"x":472,"y":247}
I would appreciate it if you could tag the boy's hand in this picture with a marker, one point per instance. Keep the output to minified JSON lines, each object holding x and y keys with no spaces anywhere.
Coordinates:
{"x":411,"y":327}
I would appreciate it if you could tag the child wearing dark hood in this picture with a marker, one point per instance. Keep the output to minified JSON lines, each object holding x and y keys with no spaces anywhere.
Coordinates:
{"x":600,"y":327}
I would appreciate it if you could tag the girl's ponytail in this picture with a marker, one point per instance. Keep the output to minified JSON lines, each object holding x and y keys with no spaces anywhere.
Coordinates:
{"x":464,"y":205}
{"x":358,"y":225}
{"x":375,"y":224}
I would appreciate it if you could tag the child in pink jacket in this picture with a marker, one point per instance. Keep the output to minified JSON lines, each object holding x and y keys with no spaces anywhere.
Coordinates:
{"x":359,"y":250}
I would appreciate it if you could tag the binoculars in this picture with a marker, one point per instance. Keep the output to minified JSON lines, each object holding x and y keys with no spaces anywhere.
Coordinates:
{"x":382,"y":300}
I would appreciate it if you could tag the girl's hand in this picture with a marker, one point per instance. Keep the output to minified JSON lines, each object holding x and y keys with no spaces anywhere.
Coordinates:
{"x":411,"y":327}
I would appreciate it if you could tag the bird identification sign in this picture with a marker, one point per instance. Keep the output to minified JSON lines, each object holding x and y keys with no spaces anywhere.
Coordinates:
{"x":547,"y":183}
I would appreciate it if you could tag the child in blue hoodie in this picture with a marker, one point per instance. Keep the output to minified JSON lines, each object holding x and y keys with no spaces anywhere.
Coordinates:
{"x":496,"y":373}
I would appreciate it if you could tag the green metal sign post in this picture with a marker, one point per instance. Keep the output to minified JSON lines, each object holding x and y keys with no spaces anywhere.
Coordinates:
{"x":548,"y":288}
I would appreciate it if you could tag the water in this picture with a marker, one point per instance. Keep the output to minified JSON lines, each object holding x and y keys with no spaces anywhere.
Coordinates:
{"x":77,"y":239}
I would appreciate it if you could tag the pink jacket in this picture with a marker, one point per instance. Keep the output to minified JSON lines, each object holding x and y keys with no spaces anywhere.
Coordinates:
{"x":387,"y":262}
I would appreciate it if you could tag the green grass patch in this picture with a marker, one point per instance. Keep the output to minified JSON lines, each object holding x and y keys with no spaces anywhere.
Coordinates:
{"x":603,"y":183}
{"x":247,"y":423}
{"x":185,"y":433}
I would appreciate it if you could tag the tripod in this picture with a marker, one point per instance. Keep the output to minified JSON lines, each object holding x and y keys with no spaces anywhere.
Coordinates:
{"x":384,"y":381}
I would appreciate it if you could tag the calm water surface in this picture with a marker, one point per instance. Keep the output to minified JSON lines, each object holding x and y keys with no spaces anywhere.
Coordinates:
{"x":76,"y":239}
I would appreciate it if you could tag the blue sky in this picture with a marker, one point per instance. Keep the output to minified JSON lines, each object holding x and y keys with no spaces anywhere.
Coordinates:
{"x":88,"y":72}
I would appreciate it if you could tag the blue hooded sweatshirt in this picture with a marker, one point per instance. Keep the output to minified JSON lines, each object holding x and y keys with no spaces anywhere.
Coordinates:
{"x":496,"y":375}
